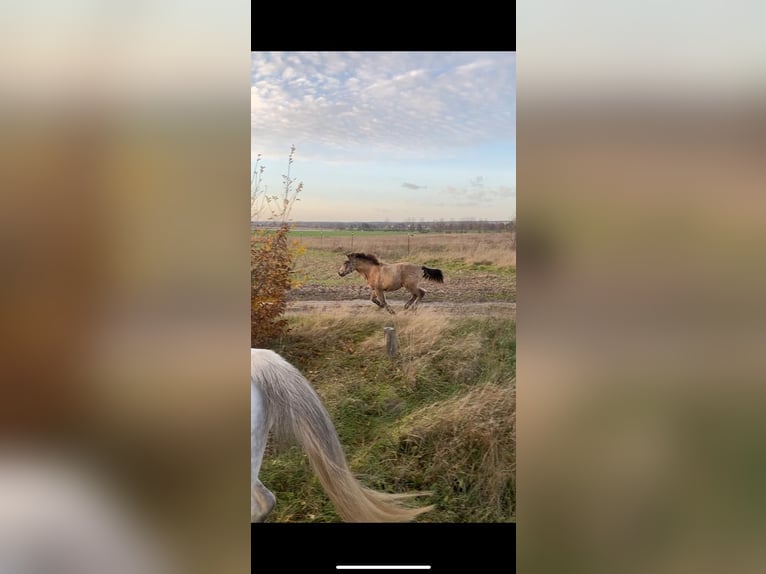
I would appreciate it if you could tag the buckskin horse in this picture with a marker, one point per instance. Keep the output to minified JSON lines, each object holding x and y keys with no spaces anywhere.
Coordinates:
{"x":383,"y":277}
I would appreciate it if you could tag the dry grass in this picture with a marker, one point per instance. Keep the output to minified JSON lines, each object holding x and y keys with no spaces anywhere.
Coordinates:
{"x":498,"y":249}
{"x":469,"y":442}
{"x":419,"y":336}
{"x":439,"y":417}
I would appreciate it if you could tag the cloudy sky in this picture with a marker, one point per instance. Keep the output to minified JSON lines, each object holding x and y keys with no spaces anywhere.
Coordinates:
{"x":388,"y":135}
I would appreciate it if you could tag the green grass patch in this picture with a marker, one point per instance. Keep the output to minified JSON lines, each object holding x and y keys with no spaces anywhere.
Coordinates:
{"x":460,"y":267}
{"x":439,"y":417}
{"x":298,"y":233}
{"x":320,"y":267}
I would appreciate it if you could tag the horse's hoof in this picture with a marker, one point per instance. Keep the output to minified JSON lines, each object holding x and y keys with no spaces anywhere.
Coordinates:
{"x":262,"y":502}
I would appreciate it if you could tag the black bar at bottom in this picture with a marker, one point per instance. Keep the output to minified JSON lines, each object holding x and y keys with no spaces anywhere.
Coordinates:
{"x":279,"y":547}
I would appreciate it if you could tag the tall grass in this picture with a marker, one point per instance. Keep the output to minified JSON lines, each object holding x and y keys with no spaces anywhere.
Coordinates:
{"x":439,"y":417}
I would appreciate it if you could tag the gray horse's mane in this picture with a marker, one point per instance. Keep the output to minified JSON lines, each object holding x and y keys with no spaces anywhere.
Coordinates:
{"x":368,"y":257}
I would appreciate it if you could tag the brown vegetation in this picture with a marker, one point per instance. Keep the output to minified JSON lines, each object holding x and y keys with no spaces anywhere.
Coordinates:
{"x":272,"y":257}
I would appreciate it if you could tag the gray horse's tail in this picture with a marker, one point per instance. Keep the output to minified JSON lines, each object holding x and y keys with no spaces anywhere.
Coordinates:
{"x":296,"y":410}
{"x":433,"y":274}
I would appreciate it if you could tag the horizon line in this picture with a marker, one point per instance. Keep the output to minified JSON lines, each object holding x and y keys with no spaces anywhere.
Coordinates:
{"x":387,"y":221}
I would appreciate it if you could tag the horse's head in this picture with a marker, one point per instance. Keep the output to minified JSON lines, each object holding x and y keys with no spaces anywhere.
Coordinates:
{"x":347,"y":267}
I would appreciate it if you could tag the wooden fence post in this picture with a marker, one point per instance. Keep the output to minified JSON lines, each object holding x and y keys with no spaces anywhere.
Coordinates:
{"x":391,"y":345}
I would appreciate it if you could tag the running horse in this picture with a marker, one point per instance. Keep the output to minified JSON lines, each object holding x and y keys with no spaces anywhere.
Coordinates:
{"x":283,"y":401}
{"x":383,"y":277}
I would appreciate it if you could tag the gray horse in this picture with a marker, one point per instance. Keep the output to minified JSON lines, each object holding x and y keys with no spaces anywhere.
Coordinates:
{"x":282,"y":400}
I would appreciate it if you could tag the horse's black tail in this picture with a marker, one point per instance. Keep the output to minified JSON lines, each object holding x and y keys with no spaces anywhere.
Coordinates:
{"x":433,"y":274}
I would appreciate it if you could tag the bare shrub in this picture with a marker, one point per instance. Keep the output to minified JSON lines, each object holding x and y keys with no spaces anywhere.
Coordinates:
{"x":272,"y":255}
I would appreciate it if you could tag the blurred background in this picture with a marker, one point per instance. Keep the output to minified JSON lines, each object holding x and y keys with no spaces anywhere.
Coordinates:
{"x":642,"y":132}
{"x":123,"y":244}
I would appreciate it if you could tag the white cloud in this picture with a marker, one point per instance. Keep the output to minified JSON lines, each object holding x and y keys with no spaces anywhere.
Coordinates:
{"x":397,"y":103}
{"x":473,"y":66}
{"x":477,"y":193}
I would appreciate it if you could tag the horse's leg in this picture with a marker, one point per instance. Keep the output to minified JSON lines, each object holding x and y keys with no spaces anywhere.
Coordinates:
{"x":374,"y":299}
{"x":262,"y":500}
{"x":384,"y":303}
{"x":420,"y":295}
{"x":412,"y":299}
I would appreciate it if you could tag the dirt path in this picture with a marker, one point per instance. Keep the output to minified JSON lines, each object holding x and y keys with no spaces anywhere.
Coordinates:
{"x":366,"y":306}
{"x":476,"y":288}
{"x":478,"y":294}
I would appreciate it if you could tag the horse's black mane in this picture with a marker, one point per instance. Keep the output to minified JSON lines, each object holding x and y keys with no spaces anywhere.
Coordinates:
{"x":369,"y":257}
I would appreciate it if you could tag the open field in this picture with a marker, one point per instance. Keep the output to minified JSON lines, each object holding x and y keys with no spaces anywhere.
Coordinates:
{"x":478,"y":267}
{"x":441,"y":415}
{"x":489,"y":248}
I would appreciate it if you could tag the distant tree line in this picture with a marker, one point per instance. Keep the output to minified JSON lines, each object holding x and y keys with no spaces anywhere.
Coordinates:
{"x":439,"y":226}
